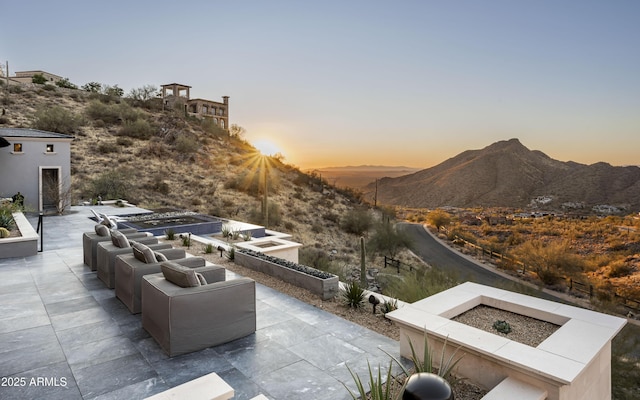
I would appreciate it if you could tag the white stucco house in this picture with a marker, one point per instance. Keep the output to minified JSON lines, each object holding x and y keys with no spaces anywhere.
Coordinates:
{"x":37,"y":164}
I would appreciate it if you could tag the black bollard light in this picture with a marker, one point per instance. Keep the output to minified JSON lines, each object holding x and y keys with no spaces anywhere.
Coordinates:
{"x":426,"y":386}
{"x":374,"y":301}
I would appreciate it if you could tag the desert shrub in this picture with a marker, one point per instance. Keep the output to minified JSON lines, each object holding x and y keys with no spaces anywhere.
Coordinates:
{"x":550,"y":261}
{"x":210,"y":127}
{"x":159,"y":185}
{"x":4,"y":120}
{"x":112,"y":184}
{"x":186,"y":145}
{"x":109,"y":147}
{"x":56,"y":119}
{"x":186,"y":240}
{"x":6,"y":219}
{"x":419,"y":285}
{"x":387,"y":240}
{"x":138,"y":129}
{"x":231,"y":253}
{"x":625,"y":359}
{"x":154,"y":149}
{"x":112,"y":113}
{"x":38,"y":79}
{"x":619,"y":268}
{"x":331,"y":216}
{"x":4,"y":232}
{"x":15,"y":89}
{"x":170,"y":233}
{"x":316,"y":228}
{"x":123,"y":141}
{"x":208,"y":248}
{"x":357,"y":221}
{"x":315,"y":258}
{"x":288,"y":225}
{"x":353,"y":295}
{"x":107,"y":113}
{"x":438,"y":218}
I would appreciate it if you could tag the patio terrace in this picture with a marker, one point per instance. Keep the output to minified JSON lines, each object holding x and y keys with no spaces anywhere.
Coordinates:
{"x":61,"y":326}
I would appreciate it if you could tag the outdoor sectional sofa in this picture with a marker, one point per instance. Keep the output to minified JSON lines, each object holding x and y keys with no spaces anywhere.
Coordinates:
{"x":130,"y":268}
{"x":120,"y":244}
{"x":90,"y":242}
{"x":194,"y":317}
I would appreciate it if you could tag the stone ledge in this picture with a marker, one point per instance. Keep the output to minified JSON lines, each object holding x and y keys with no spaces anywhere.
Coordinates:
{"x":207,"y":387}
{"x":511,"y":388}
{"x":22,"y":246}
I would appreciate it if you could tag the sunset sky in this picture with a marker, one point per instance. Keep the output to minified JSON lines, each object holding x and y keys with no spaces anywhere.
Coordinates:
{"x":332,"y":83}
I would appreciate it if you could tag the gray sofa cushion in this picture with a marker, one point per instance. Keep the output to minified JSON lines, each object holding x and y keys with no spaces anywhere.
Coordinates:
{"x":179,"y":275}
{"x":119,"y":240}
{"x":102,"y":230}
{"x":160,"y":257}
{"x":143,"y":253}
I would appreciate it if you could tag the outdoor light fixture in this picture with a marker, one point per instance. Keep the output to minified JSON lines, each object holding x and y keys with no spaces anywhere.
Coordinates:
{"x":221,"y":250}
{"x":374,"y":302}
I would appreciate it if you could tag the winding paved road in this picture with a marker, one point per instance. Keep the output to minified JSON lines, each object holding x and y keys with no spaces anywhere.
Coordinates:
{"x":442,"y":257}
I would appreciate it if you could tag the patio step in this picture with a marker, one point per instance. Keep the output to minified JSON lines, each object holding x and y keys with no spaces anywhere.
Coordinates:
{"x":207,"y":387}
{"x":511,"y":388}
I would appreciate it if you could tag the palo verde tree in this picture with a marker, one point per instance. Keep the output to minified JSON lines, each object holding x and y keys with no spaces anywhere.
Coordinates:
{"x":65,"y":83}
{"x":92,"y":87}
{"x":438,"y":218}
{"x":387,"y":240}
{"x":143,"y":93}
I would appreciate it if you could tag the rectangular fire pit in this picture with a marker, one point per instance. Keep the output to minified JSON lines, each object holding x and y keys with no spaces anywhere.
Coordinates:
{"x":572,"y":363}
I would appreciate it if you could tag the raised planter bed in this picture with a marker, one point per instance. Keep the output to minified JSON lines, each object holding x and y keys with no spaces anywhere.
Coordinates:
{"x":574,"y":362}
{"x":317,"y":282}
{"x":22,"y":246}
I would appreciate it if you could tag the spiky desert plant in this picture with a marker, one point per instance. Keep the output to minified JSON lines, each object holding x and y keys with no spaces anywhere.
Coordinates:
{"x":353,"y":295}
{"x":378,"y":389}
{"x":4,"y":233}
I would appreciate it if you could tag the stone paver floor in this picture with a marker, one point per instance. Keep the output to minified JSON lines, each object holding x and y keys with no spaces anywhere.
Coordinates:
{"x":64,"y":335}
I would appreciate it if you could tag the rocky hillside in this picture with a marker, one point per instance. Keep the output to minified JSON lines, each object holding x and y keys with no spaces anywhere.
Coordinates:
{"x":164,"y":159}
{"x":507,"y":174}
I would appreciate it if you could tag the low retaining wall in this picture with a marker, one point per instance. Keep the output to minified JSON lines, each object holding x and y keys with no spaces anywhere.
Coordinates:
{"x":23,"y":246}
{"x":325,"y":288}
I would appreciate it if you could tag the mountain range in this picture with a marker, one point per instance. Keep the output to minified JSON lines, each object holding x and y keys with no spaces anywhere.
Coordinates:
{"x":508,"y":174}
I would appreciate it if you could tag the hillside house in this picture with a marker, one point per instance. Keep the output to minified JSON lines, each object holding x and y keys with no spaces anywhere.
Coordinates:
{"x":201,"y":108}
{"x":37,"y":164}
{"x":27,"y":76}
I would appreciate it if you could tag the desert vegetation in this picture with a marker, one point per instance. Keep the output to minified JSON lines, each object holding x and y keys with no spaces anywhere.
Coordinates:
{"x":601,"y":251}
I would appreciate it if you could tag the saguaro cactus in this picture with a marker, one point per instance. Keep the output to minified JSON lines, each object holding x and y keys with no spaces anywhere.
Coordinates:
{"x":363,"y":265}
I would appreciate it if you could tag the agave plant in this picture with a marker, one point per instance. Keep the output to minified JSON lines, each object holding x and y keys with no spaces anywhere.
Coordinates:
{"x":426,"y":363}
{"x":353,"y":295}
{"x":388,"y":389}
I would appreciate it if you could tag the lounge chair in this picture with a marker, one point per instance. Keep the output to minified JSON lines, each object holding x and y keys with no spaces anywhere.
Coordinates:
{"x":130,"y":268}
{"x":183,"y":315}
{"x":106,"y":253}
{"x":90,"y":241}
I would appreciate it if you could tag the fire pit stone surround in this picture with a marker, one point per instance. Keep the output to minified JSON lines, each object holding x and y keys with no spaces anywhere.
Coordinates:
{"x":573,"y":363}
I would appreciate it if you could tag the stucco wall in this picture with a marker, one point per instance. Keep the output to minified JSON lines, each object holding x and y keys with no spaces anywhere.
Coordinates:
{"x":19,"y":172}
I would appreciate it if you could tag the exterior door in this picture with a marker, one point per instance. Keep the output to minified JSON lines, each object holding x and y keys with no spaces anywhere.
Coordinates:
{"x":49,"y":189}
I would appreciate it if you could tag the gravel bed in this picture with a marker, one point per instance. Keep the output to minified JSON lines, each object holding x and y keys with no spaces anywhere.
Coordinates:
{"x":525,"y":330}
{"x":364,"y":317}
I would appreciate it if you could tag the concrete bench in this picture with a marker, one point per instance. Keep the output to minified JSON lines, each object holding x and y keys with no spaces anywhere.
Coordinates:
{"x":512,"y":388}
{"x":207,"y":387}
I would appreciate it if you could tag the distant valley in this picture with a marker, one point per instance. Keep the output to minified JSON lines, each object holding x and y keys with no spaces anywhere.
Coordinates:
{"x":360,"y":176}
